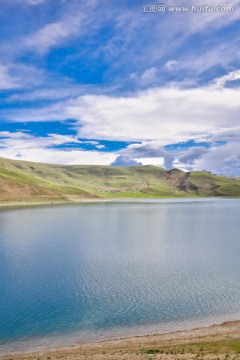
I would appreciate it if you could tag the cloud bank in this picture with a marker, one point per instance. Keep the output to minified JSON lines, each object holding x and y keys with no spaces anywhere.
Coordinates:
{"x":165,"y":86}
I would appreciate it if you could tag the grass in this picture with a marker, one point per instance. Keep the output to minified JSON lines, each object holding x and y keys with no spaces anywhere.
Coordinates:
{"x":202,"y":350}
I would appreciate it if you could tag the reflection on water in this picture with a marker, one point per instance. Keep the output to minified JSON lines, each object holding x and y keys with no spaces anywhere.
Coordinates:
{"x":75,"y":273}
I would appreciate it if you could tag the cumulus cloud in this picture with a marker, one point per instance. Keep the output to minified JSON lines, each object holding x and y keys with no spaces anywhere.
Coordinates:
{"x":145,"y":150}
{"x":153,"y":153}
{"x":122,"y":160}
{"x":222,"y":160}
{"x":127,"y":160}
{"x":187,"y":159}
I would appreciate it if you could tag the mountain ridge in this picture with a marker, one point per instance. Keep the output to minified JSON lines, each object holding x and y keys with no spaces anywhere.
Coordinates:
{"x":24,"y":181}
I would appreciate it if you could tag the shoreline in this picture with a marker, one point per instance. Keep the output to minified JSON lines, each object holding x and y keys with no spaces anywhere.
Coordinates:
{"x":29,"y":204}
{"x":225,"y":336}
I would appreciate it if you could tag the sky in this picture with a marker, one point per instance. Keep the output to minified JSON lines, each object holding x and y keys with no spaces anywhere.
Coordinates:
{"x":122,"y":82}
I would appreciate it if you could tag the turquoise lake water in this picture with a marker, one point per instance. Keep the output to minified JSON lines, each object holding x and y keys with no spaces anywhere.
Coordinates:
{"x":95,"y":271}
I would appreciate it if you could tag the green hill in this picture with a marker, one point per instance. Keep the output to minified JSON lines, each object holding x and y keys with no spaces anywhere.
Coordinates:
{"x":36,"y":182}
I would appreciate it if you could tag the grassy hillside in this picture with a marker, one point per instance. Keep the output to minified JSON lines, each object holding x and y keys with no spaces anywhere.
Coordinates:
{"x":36,"y":182}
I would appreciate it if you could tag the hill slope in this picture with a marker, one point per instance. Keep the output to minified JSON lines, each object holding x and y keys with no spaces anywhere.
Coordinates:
{"x":28,"y":181}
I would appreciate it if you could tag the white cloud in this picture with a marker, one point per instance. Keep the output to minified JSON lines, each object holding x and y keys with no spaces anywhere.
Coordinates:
{"x":221,"y":81}
{"x":220,"y":54}
{"x":179,"y":28}
{"x":170,"y":65}
{"x":53,"y":156}
{"x":224,"y":159}
{"x":53,"y":34}
{"x":54,"y":93}
{"x":6,"y":80}
{"x":155,"y":118}
{"x":145,"y":149}
{"x":100,"y":147}
{"x":18,"y":76}
{"x":41,"y":149}
{"x":169,"y":115}
{"x":149,"y":74}
{"x":230,"y":134}
{"x":27,"y":141}
{"x":74,"y":20}
{"x":46,"y":113}
{"x":208,"y":20}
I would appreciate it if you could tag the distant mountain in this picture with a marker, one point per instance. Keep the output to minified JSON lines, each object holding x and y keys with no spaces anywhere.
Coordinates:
{"x":37,"y":182}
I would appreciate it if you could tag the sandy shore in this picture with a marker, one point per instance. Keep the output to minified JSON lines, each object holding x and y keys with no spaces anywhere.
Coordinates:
{"x":216,"y":342}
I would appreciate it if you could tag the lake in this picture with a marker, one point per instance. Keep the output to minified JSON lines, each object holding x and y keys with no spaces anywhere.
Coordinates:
{"x":87,"y":272}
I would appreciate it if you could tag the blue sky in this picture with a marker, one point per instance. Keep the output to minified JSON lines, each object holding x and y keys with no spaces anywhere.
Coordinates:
{"x":101,"y":82}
